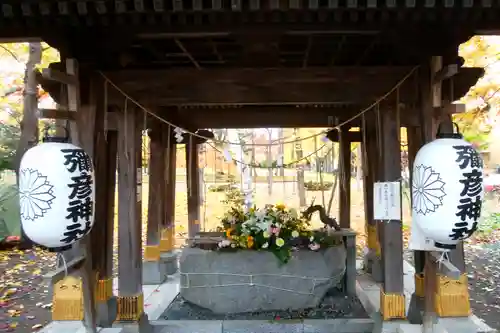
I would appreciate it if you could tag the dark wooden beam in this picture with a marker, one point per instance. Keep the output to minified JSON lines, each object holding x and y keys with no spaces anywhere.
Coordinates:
{"x":312,"y":85}
{"x":251,"y":86}
{"x":276,"y":116}
{"x":445,"y":73}
{"x":351,"y":136}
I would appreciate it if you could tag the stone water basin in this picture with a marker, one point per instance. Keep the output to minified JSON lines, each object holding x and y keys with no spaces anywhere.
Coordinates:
{"x":250,"y":281}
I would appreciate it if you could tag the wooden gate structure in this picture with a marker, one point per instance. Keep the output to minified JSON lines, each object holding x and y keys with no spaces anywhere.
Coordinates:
{"x":246,"y":63}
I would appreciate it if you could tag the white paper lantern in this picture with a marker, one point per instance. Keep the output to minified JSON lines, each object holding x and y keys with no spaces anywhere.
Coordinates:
{"x":447,"y":190}
{"x":56,"y":193}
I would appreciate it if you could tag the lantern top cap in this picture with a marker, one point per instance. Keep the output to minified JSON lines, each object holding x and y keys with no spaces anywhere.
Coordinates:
{"x":58,"y":139}
{"x":447,"y":135}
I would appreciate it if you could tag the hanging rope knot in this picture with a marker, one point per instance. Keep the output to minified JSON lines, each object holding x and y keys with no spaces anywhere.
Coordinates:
{"x":443,"y":258}
{"x":60,"y":258}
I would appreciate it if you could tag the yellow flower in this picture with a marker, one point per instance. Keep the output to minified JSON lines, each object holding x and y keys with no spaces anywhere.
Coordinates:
{"x":228,"y":232}
{"x":280,"y":242}
{"x":295,"y":234}
{"x":266,"y":234}
{"x":280,"y":206}
{"x":250,"y":242}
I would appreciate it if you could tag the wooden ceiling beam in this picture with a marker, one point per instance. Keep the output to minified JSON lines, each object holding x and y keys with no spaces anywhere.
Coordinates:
{"x":279,"y":116}
{"x":262,"y":86}
{"x":344,"y":73}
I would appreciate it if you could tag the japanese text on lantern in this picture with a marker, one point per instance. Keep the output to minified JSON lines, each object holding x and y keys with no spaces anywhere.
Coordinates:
{"x":469,"y":207}
{"x":80,"y":198}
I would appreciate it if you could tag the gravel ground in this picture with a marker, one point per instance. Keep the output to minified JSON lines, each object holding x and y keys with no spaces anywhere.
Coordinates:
{"x":334,"y":305}
{"x":483,"y":265}
{"x":24,"y":306}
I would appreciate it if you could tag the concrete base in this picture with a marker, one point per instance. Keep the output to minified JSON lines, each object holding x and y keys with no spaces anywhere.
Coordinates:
{"x":170,"y":260}
{"x":368,"y":292}
{"x":153,"y":272}
{"x":377,"y":271}
{"x":106,"y":312}
{"x":265,"y":326}
{"x":74,"y":327}
{"x":407,"y":328}
{"x":156,"y":272}
{"x":373,"y":265}
{"x":142,"y":326}
{"x":414,"y":312}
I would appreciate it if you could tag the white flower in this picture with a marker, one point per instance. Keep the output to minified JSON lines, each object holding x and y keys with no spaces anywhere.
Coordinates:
{"x":266,"y":234}
{"x":311,"y":239}
{"x":224,"y":243}
{"x":260,"y":215}
{"x":265,"y":245}
{"x":233,"y":245}
{"x":314,"y":246}
{"x":263,"y":225}
{"x":295,"y":234}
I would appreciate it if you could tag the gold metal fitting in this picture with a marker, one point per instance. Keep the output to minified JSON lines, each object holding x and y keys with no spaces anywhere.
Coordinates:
{"x":152,"y":253}
{"x":130,"y":308}
{"x":452,"y":297}
{"x":392,"y":306}
{"x":68,"y":299}
{"x":104,"y":290}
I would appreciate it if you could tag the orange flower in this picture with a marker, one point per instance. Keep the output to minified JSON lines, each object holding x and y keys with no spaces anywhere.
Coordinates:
{"x":228,"y":233}
{"x":250,"y":242}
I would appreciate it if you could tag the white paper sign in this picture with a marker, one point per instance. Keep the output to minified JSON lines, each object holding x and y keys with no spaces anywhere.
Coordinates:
{"x":387,"y":201}
{"x":420,"y":242}
{"x":227,"y":156}
{"x":279,"y":160}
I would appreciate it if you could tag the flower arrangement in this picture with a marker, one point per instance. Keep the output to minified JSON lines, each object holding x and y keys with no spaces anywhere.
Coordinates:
{"x":274,"y":228}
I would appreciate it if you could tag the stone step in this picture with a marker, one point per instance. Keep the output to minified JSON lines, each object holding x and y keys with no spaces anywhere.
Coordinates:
{"x":264,"y":326}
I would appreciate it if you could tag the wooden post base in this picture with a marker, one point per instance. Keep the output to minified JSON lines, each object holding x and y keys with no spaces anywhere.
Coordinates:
{"x":392,"y":306}
{"x":152,"y":253}
{"x":104,"y":290}
{"x":130,"y":308}
{"x":167,"y":240}
{"x":67,"y":300}
{"x":105,"y":302}
{"x":419,"y":284}
{"x":452,"y":297}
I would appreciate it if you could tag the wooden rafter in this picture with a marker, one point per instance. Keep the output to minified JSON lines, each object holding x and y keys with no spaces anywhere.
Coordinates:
{"x":186,"y":53}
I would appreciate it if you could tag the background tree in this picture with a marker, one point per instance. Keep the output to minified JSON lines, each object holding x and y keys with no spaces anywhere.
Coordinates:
{"x":13,"y":58}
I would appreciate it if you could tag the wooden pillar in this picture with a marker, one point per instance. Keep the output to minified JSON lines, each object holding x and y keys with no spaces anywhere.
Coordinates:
{"x":156,"y":193}
{"x":167,"y":242}
{"x":415,"y":141}
{"x":105,"y":143}
{"x":193,"y":187}
{"x":130,"y":295}
{"x":392,"y":299}
{"x":153,"y":272}
{"x":82,"y":134}
{"x":345,"y":179}
{"x":372,"y":260}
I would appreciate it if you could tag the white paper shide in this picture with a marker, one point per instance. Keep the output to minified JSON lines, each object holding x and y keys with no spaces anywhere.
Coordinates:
{"x":447,"y":193}
{"x":56,"y":193}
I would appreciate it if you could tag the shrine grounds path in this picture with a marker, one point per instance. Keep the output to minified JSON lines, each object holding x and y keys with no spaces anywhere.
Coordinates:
{"x":25,"y":307}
